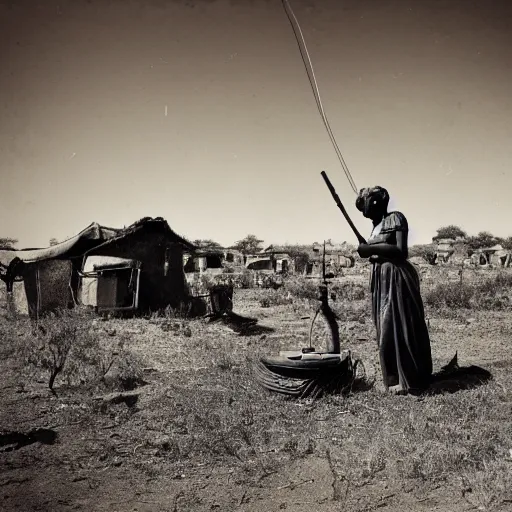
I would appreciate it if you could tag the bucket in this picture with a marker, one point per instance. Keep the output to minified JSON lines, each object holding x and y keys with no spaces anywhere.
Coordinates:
{"x":221,"y":298}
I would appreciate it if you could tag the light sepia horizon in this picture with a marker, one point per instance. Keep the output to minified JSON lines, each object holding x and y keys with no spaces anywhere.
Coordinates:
{"x":201,"y":112}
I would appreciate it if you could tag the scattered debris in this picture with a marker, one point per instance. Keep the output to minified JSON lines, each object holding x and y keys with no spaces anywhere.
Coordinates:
{"x":130,"y":398}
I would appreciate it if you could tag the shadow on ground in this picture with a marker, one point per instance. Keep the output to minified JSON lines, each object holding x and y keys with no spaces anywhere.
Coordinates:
{"x":15,"y":440}
{"x":244,"y":326}
{"x":453,"y":378}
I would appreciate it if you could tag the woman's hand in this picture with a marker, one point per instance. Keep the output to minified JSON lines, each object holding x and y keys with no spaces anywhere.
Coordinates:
{"x":381,"y":250}
{"x":364,"y":250}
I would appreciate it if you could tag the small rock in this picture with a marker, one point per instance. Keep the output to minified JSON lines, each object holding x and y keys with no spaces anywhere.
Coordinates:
{"x":129,"y":398}
{"x":163,"y":442}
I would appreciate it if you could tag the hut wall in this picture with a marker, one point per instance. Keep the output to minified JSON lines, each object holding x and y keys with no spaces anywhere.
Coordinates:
{"x":162,"y":279}
{"x":47,"y":286}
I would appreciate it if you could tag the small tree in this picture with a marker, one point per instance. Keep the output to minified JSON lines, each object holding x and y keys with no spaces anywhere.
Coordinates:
{"x":250,"y":244}
{"x":507,"y":243}
{"x":425,"y":251}
{"x":482,"y":240}
{"x":7,"y":243}
{"x":450,"y":231}
{"x":55,"y":336}
{"x":206,"y":244}
{"x":299,"y":255}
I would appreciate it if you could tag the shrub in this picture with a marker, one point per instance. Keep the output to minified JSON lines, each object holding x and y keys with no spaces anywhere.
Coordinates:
{"x":53,"y":338}
{"x":425,"y":251}
{"x":275,"y":298}
{"x":489,"y":294}
{"x":66,"y":344}
{"x":350,"y":290}
{"x":452,"y":295}
{"x":302,"y":288}
{"x":247,"y":279}
{"x":494,"y":293}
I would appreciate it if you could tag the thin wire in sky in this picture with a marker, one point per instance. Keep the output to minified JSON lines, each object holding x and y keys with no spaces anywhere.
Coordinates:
{"x":312,"y":80}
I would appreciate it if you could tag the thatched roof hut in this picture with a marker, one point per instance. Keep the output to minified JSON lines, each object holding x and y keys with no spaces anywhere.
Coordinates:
{"x":147,"y":273}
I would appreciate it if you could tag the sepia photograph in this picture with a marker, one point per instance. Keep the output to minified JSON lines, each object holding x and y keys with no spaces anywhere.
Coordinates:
{"x":255,"y":255}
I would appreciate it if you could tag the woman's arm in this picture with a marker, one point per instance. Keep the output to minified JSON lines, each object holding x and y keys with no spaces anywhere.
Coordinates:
{"x":385,"y":250}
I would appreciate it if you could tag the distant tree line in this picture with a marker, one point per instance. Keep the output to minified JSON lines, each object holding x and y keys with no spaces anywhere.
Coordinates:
{"x":300,"y":253}
{"x":479,"y":241}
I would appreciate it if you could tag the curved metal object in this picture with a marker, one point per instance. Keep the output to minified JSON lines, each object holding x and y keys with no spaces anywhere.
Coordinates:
{"x":333,"y":346}
{"x":302,"y":382}
{"x":301,"y":374}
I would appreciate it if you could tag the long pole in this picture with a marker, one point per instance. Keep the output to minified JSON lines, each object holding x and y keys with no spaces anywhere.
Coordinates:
{"x":342,"y":208}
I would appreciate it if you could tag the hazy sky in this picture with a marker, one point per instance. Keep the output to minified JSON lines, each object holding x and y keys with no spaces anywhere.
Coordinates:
{"x":418,"y":95}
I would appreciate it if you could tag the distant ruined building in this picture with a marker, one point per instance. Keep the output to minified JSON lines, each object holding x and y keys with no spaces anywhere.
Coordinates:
{"x":337,"y":257}
{"x":456,"y":252}
{"x":211,"y":260}
{"x":496,"y":256}
{"x":274,"y":258}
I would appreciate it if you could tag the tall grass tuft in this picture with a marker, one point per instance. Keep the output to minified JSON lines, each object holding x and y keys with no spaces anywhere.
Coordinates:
{"x":488,"y":294}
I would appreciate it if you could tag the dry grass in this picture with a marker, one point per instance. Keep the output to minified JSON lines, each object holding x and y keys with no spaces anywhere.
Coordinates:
{"x":70,"y":347}
{"x":202,"y":408}
{"x":473,"y":292}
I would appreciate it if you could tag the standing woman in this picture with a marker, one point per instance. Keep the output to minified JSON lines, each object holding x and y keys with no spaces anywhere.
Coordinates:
{"x":397,"y":306}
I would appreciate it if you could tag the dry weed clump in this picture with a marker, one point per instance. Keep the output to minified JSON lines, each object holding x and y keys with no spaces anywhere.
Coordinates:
{"x":489,"y":293}
{"x":461,"y":440}
{"x":350,"y":290}
{"x":302,"y":288}
{"x":221,"y":413}
{"x":238,"y":279}
{"x":66,"y":346}
{"x":125,"y":371}
{"x":276,"y":298}
{"x":339,"y":289}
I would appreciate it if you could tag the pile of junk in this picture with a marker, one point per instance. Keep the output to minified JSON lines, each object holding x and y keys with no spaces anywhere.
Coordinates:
{"x":308,"y":373}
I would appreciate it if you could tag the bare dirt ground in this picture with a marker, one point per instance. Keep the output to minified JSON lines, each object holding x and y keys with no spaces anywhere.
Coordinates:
{"x":200,"y":435}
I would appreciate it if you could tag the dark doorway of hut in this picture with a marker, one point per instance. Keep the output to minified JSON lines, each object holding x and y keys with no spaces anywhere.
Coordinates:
{"x":308,"y":373}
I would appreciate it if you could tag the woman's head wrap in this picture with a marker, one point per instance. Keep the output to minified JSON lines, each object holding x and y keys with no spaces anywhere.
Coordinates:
{"x":371,"y":198}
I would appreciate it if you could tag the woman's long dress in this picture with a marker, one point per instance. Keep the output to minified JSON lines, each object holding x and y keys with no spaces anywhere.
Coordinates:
{"x":398,"y":314}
